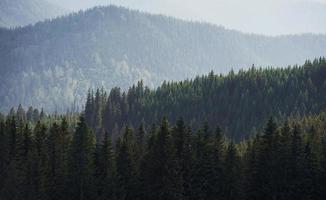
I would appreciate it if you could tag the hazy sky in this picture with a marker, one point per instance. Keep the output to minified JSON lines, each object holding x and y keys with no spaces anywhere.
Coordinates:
{"x":270,"y":17}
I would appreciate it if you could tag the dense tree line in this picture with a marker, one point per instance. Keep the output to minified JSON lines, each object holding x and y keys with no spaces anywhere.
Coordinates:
{"x":240,"y":101}
{"x":284,"y":161}
{"x":50,"y":64}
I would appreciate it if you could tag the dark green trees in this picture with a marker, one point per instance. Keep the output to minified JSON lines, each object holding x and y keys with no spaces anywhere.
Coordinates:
{"x":81,"y":163}
{"x":105,"y":170}
{"x":182,"y":140}
{"x":57,"y":147}
{"x":232,"y":174}
{"x":207,"y":171}
{"x":168,"y":179}
{"x":126,"y":166}
{"x":167,"y":162}
{"x":241,"y":102}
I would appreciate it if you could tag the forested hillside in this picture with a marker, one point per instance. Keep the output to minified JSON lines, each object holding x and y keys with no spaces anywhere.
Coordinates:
{"x":15,"y":13}
{"x":167,"y":161}
{"x":51,"y":63}
{"x":240,"y":102}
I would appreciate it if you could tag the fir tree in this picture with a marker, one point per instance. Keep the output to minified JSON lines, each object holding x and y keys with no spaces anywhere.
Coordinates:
{"x":126,"y":168}
{"x":105,"y":171}
{"x":232,"y":174}
{"x":81,"y":163}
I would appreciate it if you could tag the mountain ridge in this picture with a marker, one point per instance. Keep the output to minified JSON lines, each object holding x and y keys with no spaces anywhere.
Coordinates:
{"x":114,"y":46}
{"x":16,"y":13}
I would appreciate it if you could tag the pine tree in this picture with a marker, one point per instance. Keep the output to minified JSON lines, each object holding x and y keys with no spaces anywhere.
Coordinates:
{"x":126,"y":168}
{"x":12,"y":135}
{"x":29,"y":114}
{"x":310,"y":175}
{"x":182,"y":144}
{"x":147,"y":173}
{"x":140,"y":139}
{"x":27,"y":149}
{"x":207,"y":167}
{"x":217,"y":154}
{"x":284,"y":162}
{"x":251,"y":169}
{"x":105,"y":171}
{"x":267,"y":155}
{"x":36,"y":115}
{"x":21,"y":115}
{"x":16,"y":179}
{"x":57,"y":160}
{"x":232,"y":175}
{"x":322,"y":181}
{"x":4,"y":152}
{"x":297,"y":161}
{"x":97,"y":113}
{"x":165,"y":182}
{"x":38,"y":162}
{"x":89,"y":109}
{"x":80,"y":166}
{"x":201,"y":167}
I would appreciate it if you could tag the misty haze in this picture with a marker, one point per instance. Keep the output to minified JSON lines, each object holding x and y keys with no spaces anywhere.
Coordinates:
{"x":164,"y":99}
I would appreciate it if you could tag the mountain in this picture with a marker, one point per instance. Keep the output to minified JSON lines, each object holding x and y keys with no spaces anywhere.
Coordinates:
{"x":275,"y":17}
{"x":51,"y":64}
{"x":14,"y":13}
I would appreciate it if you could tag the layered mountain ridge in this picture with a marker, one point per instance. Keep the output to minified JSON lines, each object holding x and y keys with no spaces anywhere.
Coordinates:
{"x":51,"y":64}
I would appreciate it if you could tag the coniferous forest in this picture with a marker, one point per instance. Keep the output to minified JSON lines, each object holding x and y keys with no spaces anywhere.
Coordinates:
{"x":240,"y":102}
{"x":176,"y":142}
{"x":162,"y":100}
{"x":166,"y":161}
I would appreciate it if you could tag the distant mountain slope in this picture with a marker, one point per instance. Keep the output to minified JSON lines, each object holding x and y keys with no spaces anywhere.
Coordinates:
{"x":270,"y":17}
{"x":52,"y":63}
{"x":15,"y":13}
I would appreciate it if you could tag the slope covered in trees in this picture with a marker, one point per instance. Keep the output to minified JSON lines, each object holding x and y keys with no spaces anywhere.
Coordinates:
{"x":15,"y":13}
{"x":168,"y":161}
{"x":240,"y":102}
{"x":50,"y":64}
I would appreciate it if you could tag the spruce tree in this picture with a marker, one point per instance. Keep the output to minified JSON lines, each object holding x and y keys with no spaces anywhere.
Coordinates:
{"x":126,"y":168}
{"x":166,"y":182}
{"x":57,"y":160}
{"x":4,"y":151}
{"x":38,"y":162}
{"x":297,"y":162}
{"x":16,"y":180}
{"x":140,"y":139}
{"x":183,"y":155}
{"x":206,"y":174}
{"x":267,"y":155}
{"x":310,"y":175}
{"x":232,"y":174}
{"x":89,"y":109}
{"x":97,"y":113}
{"x":105,"y":171}
{"x":322,"y":179}
{"x":80,"y":169}
{"x":21,"y":115}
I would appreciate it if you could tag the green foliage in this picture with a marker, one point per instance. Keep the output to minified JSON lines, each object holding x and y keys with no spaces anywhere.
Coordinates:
{"x":126,"y":168}
{"x":81,"y":162}
{"x":239,"y":102}
{"x":48,"y":157}
{"x":169,"y":162}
